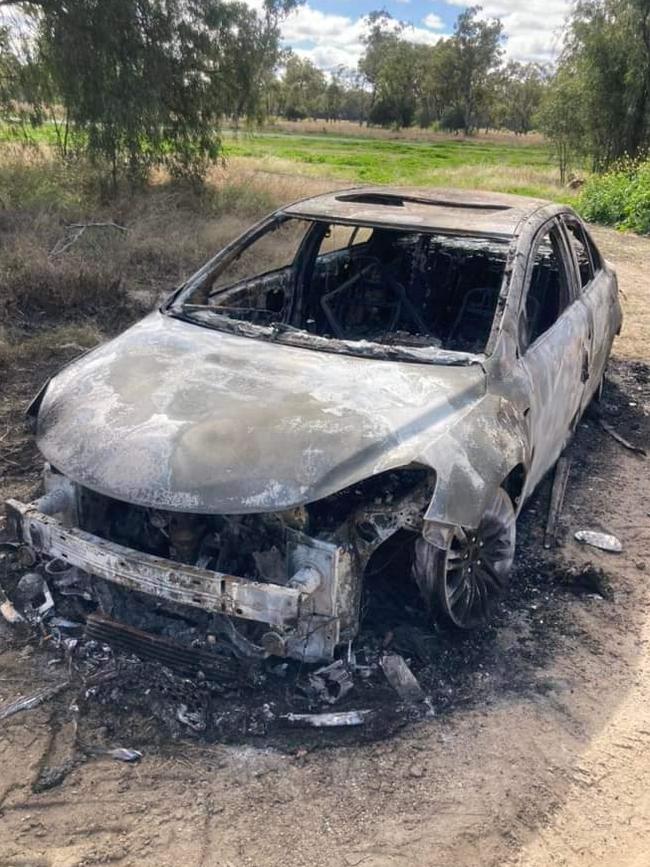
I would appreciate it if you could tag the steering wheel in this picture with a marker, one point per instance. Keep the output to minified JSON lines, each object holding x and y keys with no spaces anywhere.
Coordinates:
{"x":372,"y":274}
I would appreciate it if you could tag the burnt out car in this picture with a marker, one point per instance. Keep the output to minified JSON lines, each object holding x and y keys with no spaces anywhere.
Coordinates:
{"x":367,"y":368}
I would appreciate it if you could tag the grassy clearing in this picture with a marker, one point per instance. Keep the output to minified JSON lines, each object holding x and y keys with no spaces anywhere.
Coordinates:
{"x":524,"y":168}
{"x":347,"y":152}
{"x":350,"y":129}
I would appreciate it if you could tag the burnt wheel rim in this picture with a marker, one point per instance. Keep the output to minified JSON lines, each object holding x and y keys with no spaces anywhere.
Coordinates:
{"x":477,"y":565}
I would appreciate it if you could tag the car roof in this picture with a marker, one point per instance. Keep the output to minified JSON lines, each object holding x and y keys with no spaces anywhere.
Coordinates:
{"x":467,"y":212}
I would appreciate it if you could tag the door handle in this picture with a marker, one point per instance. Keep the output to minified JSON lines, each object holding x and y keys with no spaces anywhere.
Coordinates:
{"x":585,"y":366}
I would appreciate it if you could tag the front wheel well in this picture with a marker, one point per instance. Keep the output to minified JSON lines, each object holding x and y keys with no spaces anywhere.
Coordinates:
{"x":514,"y":483}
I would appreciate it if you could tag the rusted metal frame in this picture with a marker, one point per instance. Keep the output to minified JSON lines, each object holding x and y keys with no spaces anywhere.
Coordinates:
{"x":188,"y":661}
{"x":164,"y":579}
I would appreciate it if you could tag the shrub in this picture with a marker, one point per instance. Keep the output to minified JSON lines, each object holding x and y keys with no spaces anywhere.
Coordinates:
{"x":619,"y":197}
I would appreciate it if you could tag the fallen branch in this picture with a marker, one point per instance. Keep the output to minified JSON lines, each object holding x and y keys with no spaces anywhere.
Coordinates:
{"x":621,"y":439}
{"x":9,"y":708}
{"x":73,"y":233}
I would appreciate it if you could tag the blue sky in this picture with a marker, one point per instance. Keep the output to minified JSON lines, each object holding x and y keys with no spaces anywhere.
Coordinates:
{"x":329,"y":31}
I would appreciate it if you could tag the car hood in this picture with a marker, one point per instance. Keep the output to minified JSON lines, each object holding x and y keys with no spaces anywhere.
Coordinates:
{"x":174,"y":415}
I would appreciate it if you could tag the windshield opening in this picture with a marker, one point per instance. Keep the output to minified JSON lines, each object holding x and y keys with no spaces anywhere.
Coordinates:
{"x":356,"y":284}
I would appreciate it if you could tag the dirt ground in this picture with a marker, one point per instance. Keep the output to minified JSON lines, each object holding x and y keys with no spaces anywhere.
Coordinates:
{"x":535,"y":749}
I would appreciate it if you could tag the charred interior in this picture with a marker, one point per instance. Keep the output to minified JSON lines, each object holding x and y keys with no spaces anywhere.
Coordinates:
{"x":358,"y":283}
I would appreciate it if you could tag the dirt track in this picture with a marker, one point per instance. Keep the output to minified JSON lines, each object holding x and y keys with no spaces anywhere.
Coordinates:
{"x":548,"y":765}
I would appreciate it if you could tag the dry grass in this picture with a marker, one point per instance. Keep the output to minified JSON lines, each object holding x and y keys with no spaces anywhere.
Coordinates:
{"x":107,"y":277}
{"x":281,"y":178}
{"x":356,"y":130}
{"x":72,"y":339}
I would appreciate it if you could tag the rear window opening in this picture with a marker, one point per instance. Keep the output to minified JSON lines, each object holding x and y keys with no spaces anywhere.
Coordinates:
{"x":358,"y":284}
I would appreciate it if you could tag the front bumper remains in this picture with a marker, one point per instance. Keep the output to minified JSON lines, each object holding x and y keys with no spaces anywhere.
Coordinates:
{"x":307,"y":617}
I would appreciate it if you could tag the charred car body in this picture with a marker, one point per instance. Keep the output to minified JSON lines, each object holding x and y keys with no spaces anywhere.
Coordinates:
{"x":359,"y":367}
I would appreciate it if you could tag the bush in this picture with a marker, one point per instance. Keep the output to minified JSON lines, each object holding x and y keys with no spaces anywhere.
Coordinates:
{"x":619,"y":197}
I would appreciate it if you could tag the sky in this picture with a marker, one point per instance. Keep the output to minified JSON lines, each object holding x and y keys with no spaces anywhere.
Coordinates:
{"x":328,"y":32}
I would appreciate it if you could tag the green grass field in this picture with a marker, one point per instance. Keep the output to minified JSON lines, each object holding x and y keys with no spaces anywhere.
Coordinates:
{"x":517,"y":167}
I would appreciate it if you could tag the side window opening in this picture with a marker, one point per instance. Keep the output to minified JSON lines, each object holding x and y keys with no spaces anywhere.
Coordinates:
{"x":582,"y":252}
{"x":548,"y":292}
{"x":339,"y":237}
{"x":255,"y":286}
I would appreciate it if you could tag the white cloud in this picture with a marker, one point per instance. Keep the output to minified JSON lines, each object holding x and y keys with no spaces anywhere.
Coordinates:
{"x":327,"y":40}
{"x":420,"y":34}
{"x":534,"y":29}
{"x":433,"y":21}
{"x":332,"y":40}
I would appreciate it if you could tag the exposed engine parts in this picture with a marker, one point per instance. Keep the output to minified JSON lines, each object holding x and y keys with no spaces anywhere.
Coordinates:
{"x":274,"y":584}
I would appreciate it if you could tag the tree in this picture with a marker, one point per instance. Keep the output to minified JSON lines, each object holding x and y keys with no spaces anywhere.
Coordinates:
{"x":452,"y":82}
{"x":607,"y":51}
{"x":520,"y":89}
{"x":304,"y":87}
{"x":476,"y":46}
{"x":146,"y":82}
{"x":390,"y":66}
{"x":333,"y":98}
{"x":560,"y":120}
{"x":435,"y":81}
{"x":25,"y":85}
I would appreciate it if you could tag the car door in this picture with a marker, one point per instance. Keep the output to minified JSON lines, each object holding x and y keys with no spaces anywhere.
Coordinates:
{"x":598,"y":292}
{"x":553,"y":338}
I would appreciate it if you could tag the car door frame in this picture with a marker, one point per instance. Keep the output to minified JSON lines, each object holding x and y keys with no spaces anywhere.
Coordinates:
{"x":599,"y":297}
{"x":553,"y":362}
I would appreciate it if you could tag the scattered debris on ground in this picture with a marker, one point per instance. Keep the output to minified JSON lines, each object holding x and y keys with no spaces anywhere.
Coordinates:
{"x":33,"y":700}
{"x":328,"y":720}
{"x":169,"y":681}
{"x":603,"y":541}
{"x":401,"y":678}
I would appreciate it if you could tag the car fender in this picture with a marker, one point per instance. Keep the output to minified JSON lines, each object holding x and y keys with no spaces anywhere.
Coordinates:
{"x":474,"y":458}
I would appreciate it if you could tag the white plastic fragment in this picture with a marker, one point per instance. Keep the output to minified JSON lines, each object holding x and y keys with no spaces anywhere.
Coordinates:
{"x":603,"y":541}
{"x":327,"y":720}
{"x":123,"y":754}
{"x":401,"y":678}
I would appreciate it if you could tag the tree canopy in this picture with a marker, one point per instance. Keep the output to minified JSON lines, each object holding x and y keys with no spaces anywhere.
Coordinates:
{"x":599,"y":102}
{"x":146,"y":82}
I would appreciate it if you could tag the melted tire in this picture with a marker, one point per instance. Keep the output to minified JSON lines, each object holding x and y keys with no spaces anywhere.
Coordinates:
{"x":463,"y":582}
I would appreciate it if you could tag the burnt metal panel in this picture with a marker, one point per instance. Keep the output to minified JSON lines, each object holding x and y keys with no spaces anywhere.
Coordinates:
{"x":175,"y":582}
